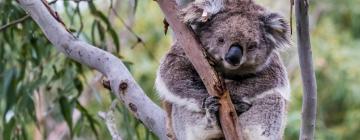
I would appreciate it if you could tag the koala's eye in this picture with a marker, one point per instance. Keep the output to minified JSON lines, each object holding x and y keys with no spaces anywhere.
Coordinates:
{"x":251,"y":47}
{"x":221,"y":40}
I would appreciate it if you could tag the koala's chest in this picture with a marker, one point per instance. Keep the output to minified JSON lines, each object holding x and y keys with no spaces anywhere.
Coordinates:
{"x":248,"y":88}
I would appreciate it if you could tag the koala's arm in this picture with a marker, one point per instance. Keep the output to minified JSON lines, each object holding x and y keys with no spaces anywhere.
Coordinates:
{"x":193,"y":110}
{"x":178,"y":82}
{"x":266,"y":118}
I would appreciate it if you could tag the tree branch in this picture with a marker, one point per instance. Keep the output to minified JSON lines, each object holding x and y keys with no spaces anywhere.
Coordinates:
{"x":122,"y":83}
{"x":307,"y":71}
{"x":109,"y":119}
{"x":198,"y":57}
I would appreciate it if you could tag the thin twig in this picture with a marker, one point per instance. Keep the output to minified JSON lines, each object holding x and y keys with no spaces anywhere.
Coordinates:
{"x":22,"y":19}
{"x":139,"y":39}
{"x":291,"y":15}
{"x":109,"y":119}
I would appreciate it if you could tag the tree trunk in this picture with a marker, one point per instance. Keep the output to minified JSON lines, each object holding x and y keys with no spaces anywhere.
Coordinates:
{"x":307,"y":71}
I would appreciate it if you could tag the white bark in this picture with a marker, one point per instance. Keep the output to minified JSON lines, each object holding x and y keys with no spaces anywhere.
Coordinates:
{"x":308,"y":115}
{"x":122,"y":83}
{"x":109,"y":119}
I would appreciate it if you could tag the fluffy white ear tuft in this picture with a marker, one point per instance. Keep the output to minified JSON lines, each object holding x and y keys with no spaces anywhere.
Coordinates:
{"x":277,"y":30}
{"x":212,"y":6}
{"x":200,"y":11}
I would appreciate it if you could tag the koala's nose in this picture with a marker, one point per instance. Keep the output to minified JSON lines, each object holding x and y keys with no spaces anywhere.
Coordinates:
{"x":233,"y":56}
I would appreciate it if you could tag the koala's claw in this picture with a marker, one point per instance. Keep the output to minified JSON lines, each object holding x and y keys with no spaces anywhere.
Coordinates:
{"x":242,"y":107}
{"x":211,"y":104}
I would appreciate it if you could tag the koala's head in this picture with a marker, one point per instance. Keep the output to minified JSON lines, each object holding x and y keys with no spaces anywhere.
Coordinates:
{"x":242,"y":37}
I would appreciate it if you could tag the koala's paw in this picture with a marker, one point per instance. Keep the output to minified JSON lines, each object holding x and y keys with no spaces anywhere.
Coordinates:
{"x":211,"y":105}
{"x":241,"y":107}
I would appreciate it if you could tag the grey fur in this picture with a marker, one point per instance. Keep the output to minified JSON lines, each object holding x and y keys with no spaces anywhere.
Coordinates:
{"x":201,"y":10}
{"x":260,"y":79}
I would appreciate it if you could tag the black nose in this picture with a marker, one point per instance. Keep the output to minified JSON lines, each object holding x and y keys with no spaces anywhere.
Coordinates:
{"x":233,"y":56}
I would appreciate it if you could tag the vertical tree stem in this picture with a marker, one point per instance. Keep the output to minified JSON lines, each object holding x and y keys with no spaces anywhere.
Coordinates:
{"x":307,"y":71}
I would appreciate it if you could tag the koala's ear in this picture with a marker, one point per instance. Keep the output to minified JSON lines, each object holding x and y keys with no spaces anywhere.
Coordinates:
{"x":191,"y":14}
{"x":276,"y":30}
{"x":201,"y":11}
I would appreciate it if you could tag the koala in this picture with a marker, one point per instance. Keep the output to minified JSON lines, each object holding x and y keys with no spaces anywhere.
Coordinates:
{"x":244,"y":40}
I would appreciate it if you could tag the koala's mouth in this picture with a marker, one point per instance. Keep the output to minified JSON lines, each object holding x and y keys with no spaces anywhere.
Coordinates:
{"x":230,"y":66}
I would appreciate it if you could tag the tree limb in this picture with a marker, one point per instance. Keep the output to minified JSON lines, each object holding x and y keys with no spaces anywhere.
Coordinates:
{"x":109,"y":119}
{"x":122,"y":83}
{"x":198,"y":57}
{"x":307,"y":71}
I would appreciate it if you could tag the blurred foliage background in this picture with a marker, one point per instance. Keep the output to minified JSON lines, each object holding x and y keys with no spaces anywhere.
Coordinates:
{"x":42,"y":92}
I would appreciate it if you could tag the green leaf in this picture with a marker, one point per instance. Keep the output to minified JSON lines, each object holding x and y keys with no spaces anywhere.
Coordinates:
{"x":89,"y":117}
{"x":93,"y":26}
{"x":110,"y":29}
{"x":24,"y":135}
{"x":11,"y":92}
{"x":135,"y":6}
{"x":35,"y":84}
{"x":9,"y":39}
{"x":8,"y":75}
{"x":8,"y":128}
{"x":79,"y":125}
{"x":101,"y":31}
{"x":66,"y":108}
{"x":78,"y":85}
{"x":115,"y":38}
{"x":22,"y":70}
